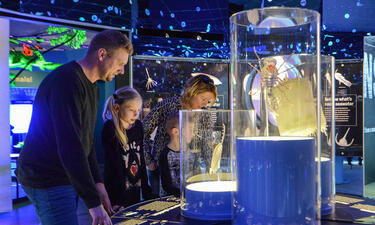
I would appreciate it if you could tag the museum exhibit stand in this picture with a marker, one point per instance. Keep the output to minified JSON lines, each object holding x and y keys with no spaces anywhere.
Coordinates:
{"x":368,"y":116}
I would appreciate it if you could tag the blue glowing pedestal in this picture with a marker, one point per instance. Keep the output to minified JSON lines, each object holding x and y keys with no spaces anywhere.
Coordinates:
{"x":210,"y":200}
{"x":275,"y":180}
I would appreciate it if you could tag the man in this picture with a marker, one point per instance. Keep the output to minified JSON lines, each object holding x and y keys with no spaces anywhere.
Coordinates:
{"x":57,"y":166}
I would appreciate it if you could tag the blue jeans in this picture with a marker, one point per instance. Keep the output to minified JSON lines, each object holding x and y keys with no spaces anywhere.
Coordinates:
{"x":58,"y":205}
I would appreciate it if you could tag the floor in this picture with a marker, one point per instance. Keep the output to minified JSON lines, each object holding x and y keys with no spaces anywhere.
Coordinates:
{"x":24,"y":215}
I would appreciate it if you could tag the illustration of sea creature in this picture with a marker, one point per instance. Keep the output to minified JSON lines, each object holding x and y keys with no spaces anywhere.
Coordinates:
{"x":343,"y":142}
{"x":150,"y":82}
{"x":341,"y":79}
{"x":216,"y":154}
{"x":19,"y":60}
{"x":27,"y":50}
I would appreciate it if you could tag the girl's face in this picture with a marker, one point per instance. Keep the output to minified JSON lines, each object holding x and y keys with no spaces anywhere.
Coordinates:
{"x":201,"y":100}
{"x":129,"y":112}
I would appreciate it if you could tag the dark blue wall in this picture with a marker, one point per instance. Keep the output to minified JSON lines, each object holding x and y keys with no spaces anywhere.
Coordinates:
{"x":344,"y":22}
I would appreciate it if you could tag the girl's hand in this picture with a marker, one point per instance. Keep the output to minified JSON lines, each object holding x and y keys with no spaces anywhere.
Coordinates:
{"x":117,"y":208}
{"x":151,"y":166}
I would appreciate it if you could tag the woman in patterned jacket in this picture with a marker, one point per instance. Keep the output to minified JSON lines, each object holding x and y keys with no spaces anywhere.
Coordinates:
{"x":199,"y":92}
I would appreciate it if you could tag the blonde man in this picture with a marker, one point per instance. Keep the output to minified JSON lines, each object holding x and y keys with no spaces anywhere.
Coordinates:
{"x":57,"y":166}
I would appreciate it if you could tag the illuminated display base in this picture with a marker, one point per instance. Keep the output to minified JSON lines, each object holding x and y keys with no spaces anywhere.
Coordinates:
{"x":276,"y":180}
{"x":209,"y":200}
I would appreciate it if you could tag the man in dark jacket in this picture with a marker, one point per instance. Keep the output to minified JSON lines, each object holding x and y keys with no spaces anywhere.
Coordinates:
{"x":57,"y":166}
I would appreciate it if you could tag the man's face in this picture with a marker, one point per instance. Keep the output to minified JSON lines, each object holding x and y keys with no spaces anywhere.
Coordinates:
{"x":113,"y":64}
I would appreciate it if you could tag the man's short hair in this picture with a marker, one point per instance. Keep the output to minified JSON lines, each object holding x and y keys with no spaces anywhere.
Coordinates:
{"x":110,"y":40}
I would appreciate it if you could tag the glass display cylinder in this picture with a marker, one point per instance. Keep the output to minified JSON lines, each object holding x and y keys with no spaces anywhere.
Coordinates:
{"x":327,"y":145}
{"x":207,"y":182}
{"x":293,"y":106}
{"x":276,"y":69}
{"x":260,"y":33}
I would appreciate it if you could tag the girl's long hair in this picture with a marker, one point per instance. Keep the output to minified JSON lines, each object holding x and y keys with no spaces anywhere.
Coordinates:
{"x":120,"y":97}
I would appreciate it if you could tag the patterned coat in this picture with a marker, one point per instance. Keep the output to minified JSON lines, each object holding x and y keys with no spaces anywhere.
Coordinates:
{"x":157,"y":119}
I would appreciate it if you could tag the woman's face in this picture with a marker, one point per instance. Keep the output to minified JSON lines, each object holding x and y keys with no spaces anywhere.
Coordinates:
{"x":129,"y":112}
{"x":201,"y":100}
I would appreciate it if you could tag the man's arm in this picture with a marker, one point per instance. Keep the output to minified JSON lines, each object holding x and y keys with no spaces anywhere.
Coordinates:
{"x":98,"y":181}
{"x":66,"y":102}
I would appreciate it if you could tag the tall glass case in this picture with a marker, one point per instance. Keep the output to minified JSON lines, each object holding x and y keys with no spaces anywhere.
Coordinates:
{"x":260,"y":33}
{"x":328,"y":147}
{"x":157,"y":78}
{"x":277,"y":69}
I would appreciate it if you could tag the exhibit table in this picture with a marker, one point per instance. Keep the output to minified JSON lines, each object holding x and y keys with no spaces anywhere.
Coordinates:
{"x":166,"y":211}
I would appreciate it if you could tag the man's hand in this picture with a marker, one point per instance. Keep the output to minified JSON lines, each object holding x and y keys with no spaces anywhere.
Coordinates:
{"x":99,"y":216}
{"x":104,"y":198}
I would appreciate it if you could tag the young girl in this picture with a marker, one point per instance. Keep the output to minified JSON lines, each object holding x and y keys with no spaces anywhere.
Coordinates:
{"x":122,"y":139}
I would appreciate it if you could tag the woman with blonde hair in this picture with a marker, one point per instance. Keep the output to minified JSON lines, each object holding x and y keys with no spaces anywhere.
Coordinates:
{"x":122,"y":138}
{"x":199,"y":92}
